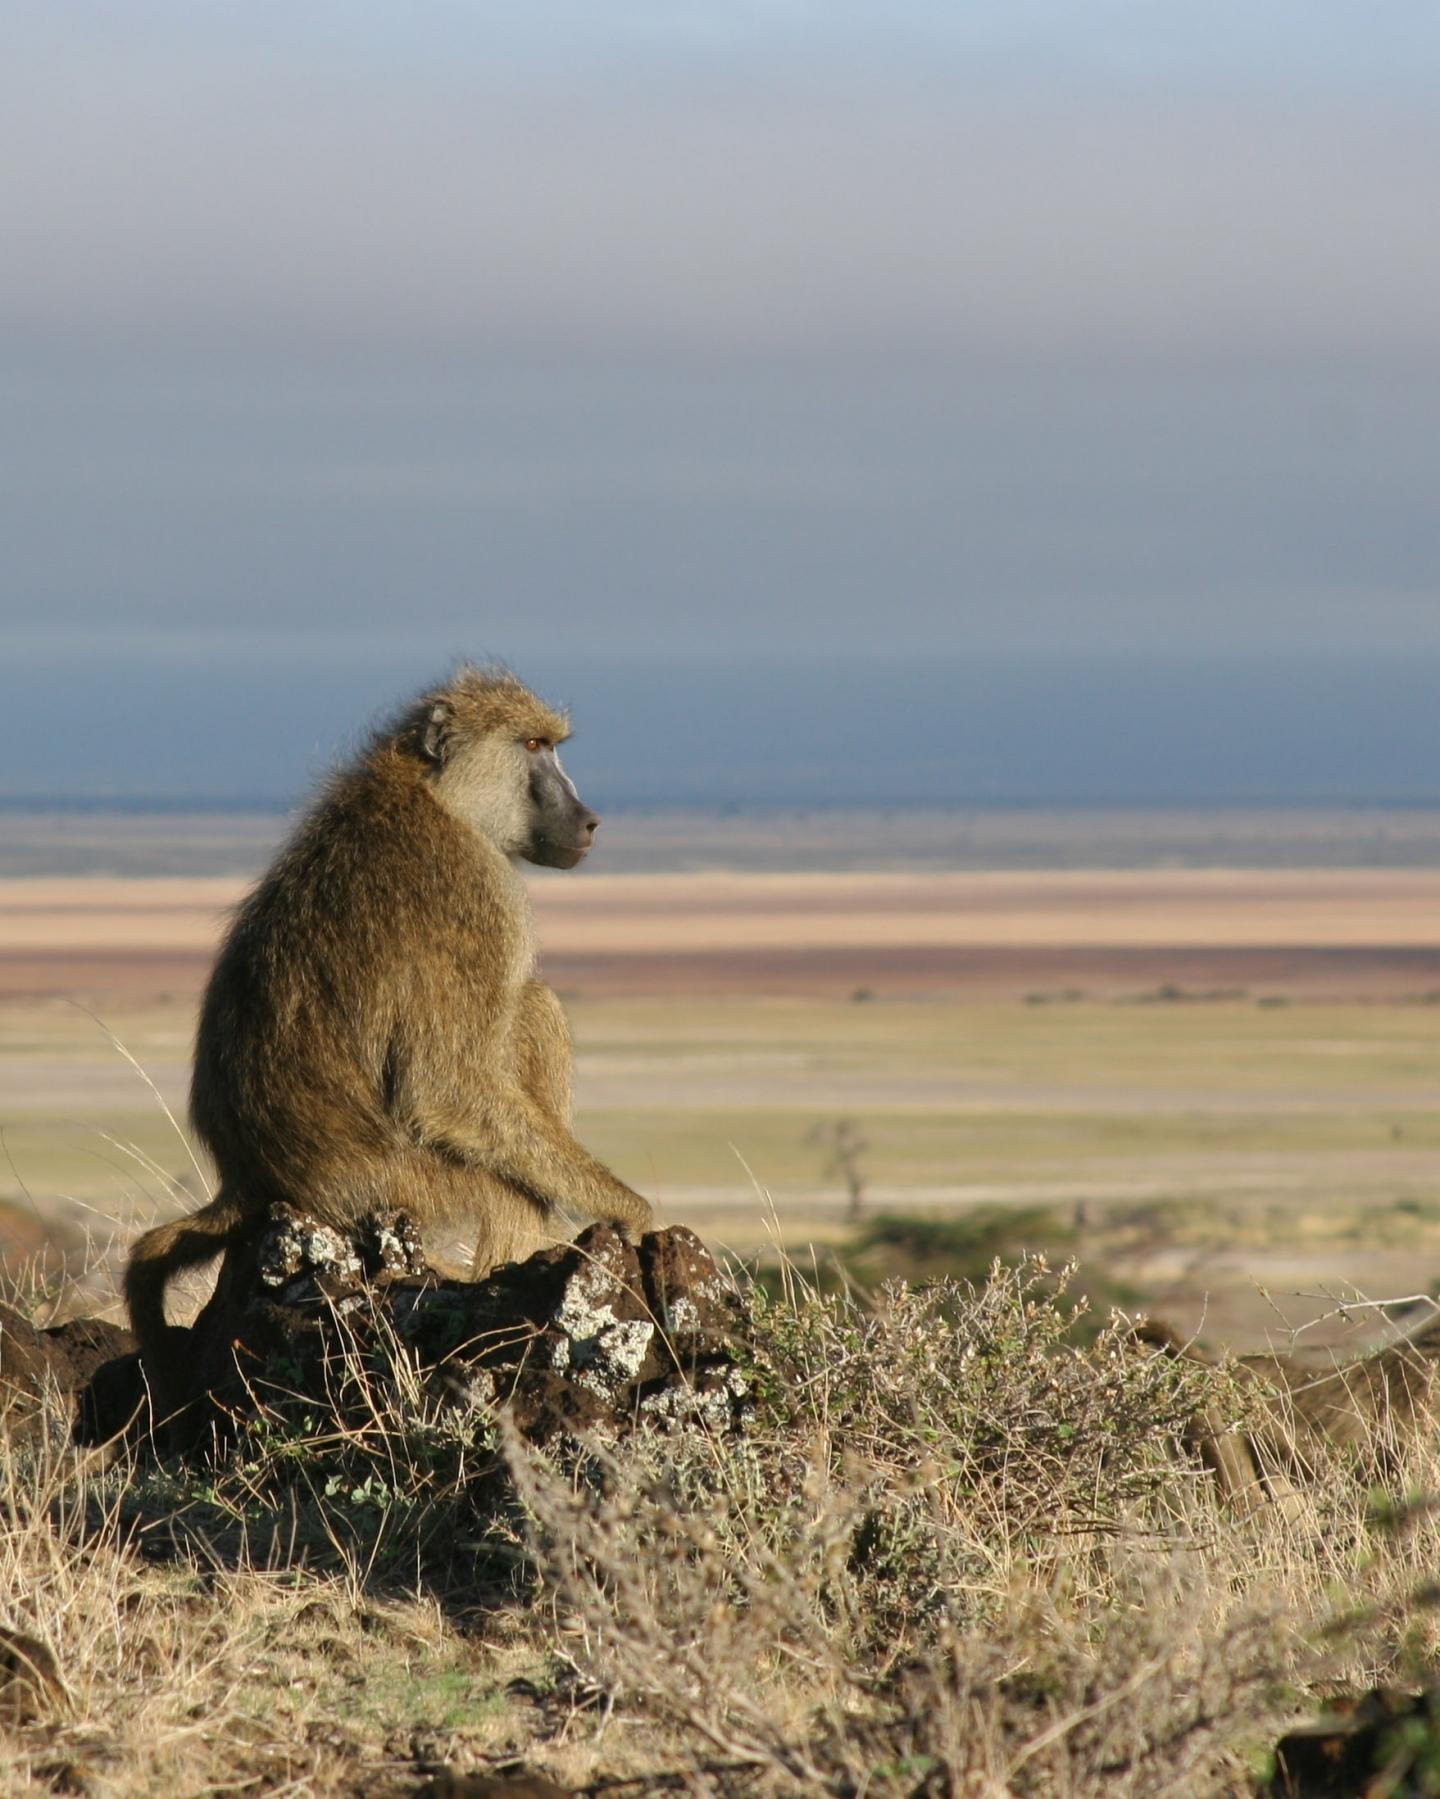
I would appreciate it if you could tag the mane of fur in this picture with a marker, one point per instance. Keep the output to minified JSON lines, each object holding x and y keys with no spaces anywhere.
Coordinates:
{"x":477,"y":701}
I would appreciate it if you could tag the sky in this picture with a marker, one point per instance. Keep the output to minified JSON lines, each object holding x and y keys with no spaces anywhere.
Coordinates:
{"x":748,"y":344}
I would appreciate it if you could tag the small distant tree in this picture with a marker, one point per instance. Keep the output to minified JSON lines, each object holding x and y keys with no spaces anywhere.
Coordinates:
{"x":844,"y":1144}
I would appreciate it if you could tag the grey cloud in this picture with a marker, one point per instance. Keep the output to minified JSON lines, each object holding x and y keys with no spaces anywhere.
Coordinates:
{"x":597,"y":506}
{"x":147,"y":204}
{"x":314,"y":326}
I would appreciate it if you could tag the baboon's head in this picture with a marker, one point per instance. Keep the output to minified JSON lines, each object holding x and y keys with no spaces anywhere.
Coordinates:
{"x":492,"y":749}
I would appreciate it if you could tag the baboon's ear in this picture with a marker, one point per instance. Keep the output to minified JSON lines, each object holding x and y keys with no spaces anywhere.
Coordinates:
{"x":435,"y":733}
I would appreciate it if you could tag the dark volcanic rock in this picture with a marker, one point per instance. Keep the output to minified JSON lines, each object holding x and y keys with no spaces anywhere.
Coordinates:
{"x":588,"y":1335}
{"x":1380,"y":1742}
{"x":23,"y":1362}
{"x":63,"y":1357}
{"x":582,"y":1334}
{"x":30,"y":1682}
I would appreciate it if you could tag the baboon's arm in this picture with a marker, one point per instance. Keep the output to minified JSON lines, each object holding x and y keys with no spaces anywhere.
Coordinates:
{"x":508,"y":1134}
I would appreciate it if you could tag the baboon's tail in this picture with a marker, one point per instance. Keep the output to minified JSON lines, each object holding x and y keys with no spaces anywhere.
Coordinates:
{"x":159,"y":1256}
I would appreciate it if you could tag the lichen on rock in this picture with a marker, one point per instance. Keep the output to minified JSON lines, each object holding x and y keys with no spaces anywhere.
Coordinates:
{"x":594,"y":1335}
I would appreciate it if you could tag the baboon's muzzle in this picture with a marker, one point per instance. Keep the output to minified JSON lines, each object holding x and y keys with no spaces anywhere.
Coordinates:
{"x":563,"y":825}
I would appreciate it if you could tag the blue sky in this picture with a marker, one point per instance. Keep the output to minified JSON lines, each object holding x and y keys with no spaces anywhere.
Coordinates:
{"x":767,"y":330}
{"x":1274,"y":43}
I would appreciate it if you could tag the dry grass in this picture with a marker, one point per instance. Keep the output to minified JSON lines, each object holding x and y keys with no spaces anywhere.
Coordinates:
{"x":151,"y":1661}
{"x":957,"y":1549}
{"x":200,"y":1649}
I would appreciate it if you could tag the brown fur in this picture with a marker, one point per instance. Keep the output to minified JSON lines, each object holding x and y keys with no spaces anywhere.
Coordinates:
{"x":1368,"y":1404}
{"x":373,"y":1035}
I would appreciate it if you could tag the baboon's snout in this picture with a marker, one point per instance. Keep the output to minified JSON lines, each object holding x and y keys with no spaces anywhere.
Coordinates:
{"x":585,"y":825}
{"x":563,"y":825}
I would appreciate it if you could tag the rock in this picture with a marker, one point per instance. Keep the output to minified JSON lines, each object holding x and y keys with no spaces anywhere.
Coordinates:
{"x":588,"y":1333}
{"x":78,"y":1349}
{"x":114,"y":1404}
{"x":26,"y":1242}
{"x":683,"y":1288}
{"x":591,"y":1334}
{"x":30,"y":1683}
{"x":1364,"y":1743}
{"x":23,"y":1362}
{"x":63,"y":1358}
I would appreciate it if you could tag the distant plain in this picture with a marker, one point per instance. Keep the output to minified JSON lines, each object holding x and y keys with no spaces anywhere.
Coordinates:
{"x":1221,"y":1079}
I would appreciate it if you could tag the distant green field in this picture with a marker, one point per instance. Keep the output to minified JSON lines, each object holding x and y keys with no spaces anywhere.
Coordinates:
{"x":1169,"y":1127}
{"x":960,"y":1093}
{"x":919,"y":1148}
{"x":1101,"y":1044}
{"x":947,"y":1095}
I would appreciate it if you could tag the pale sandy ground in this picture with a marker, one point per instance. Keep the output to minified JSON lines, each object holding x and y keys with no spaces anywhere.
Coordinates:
{"x":1361,"y":933}
{"x":633,"y":913}
{"x":713,"y":1025}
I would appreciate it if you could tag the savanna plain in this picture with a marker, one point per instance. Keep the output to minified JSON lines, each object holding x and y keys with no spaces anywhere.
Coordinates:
{"x":1194,"y":1053}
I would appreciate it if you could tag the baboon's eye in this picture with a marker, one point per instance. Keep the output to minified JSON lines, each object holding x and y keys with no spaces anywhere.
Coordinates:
{"x":537,"y":743}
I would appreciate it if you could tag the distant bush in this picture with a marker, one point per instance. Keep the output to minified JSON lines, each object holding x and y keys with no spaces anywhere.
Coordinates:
{"x":957,"y":1246}
{"x":962,"y":1247}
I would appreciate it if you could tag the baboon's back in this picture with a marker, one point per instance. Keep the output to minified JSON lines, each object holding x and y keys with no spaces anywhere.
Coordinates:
{"x":361,"y":934}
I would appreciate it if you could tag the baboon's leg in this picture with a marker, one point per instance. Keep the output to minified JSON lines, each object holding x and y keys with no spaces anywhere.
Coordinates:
{"x":494,"y":1125}
{"x":509,"y":1224}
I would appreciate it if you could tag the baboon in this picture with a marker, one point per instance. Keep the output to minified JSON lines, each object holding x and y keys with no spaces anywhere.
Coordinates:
{"x":1369,"y":1404}
{"x":373,"y":1035}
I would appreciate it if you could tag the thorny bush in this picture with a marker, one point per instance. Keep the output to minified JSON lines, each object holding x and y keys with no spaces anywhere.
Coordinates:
{"x":938,"y":1553}
{"x":955,"y":1547}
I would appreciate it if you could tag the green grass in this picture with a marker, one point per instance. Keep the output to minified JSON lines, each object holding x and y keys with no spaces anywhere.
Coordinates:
{"x":697,"y":1147}
{"x":1321,"y":1048}
{"x":992,"y":1093}
{"x":958,"y":1103}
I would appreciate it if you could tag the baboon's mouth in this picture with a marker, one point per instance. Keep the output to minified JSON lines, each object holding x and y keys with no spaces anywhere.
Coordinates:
{"x":548,"y":853}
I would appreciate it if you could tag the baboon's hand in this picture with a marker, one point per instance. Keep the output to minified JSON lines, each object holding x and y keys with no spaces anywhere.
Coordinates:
{"x":634,"y":1221}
